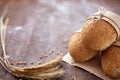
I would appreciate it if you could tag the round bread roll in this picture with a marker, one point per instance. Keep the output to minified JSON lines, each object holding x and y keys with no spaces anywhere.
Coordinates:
{"x":78,"y":51}
{"x":111,"y":61}
{"x":96,"y":35}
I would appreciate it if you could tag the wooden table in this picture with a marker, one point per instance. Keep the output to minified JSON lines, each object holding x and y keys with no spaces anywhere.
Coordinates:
{"x":37,"y":26}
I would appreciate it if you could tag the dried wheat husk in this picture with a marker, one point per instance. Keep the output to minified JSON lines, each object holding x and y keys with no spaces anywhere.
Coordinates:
{"x":44,"y":71}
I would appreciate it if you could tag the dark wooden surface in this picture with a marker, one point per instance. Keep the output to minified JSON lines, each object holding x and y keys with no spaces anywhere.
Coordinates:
{"x":36,"y":26}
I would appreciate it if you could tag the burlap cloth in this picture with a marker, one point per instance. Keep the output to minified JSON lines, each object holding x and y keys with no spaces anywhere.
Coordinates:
{"x":94,"y":65}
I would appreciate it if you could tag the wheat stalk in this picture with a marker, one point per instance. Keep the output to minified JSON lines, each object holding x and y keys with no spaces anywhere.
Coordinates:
{"x":44,"y":71}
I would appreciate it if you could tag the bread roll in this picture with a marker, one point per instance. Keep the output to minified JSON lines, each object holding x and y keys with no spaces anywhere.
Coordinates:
{"x":78,"y":51}
{"x":96,"y":35}
{"x":111,"y":61}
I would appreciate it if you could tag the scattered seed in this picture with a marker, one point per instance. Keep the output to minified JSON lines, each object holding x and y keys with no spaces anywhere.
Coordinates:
{"x":40,"y":63}
{"x":31,"y":63}
{"x":11,"y":63}
{"x":66,"y":46}
{"x":51,"y":51}
{"x":73,"y":78}
{"x":64,"y":41}
{"x":43,"y":55}
{"x":58,"y":53}
{"x":21,"y":63}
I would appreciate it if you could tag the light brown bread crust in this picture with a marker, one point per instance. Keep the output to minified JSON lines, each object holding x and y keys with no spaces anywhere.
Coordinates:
{"x":98,"y":34}
{"x":78,"y":51}
{"x":111,"y":61}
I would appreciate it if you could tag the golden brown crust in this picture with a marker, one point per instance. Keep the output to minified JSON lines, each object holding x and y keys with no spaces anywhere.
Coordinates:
{"x":78,"y":51}
{"x":98,"y":34}
{"x":111,"y":61}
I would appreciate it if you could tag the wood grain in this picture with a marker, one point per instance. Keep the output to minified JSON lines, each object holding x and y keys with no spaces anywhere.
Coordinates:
{"x":37,"y":26}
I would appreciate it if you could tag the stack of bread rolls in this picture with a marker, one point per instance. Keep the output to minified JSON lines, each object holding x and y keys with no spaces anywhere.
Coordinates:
{"x":98,"y":35}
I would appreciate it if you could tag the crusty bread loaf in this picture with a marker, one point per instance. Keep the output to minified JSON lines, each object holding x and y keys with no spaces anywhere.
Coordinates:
{"x":111,"y":61}
{"x":78,"y":51}
{"x":96,"y":35}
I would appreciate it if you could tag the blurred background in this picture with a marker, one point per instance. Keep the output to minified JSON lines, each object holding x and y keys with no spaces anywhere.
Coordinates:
{"x":37,"y":26}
